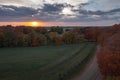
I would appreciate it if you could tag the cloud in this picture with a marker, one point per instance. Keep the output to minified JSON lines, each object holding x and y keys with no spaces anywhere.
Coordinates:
{"x":49,"y":12}
{"x":59,"y":10}
{"x":103,"y":5}
{"x":99,"y":12}
{"x":39,"y":3}
{"x":13,"y":11}
{"x":55,"y":8}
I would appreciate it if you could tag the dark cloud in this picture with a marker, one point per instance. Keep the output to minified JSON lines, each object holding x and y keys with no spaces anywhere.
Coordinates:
{"x":52,"y":8}
{"x":99,"y":12}
{"x":50,"y":12}
{"x":84,"y":4}
{"x":89,"y":15}
{"x":13,"y":11}
{"x":114,"y":10}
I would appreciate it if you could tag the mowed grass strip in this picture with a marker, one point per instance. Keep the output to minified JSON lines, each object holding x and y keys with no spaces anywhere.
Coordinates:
{"x":41,"y":63}
{"x":69,"y":64}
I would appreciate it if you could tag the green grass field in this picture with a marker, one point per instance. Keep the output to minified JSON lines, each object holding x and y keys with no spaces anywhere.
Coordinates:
{"x":43,"y":63}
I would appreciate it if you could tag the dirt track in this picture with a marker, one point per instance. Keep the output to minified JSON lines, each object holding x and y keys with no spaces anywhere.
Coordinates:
{"x":91,"y":72}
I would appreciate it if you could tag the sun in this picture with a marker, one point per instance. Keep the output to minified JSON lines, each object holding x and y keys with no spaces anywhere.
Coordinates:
{"x":35,"y":24}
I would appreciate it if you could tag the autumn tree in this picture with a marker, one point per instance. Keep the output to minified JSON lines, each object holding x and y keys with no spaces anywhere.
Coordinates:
{"x":58,"y":40}
{"x":42,"y":39}
{"x":109,"y":53}
{"x":41,"y":30}
{"x":52,"y":37}
{"x":2,"y":36}
{"x":57,"y":29}
{"x":91,"y":34}
{"x":69,"y":37}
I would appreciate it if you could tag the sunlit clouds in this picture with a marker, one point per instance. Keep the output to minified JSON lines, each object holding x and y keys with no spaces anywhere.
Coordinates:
{"x":67,"y":11}
{"x":55,"y":11}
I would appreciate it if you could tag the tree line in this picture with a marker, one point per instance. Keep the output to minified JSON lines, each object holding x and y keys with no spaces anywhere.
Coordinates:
{"x":23,"y":36}
{"x":108,"y":55}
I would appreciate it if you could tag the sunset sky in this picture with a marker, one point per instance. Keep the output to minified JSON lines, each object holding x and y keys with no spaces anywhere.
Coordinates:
{"x":60,"y":12}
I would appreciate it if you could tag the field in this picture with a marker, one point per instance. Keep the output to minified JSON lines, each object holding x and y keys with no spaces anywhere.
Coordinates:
{"x":43,"y":63}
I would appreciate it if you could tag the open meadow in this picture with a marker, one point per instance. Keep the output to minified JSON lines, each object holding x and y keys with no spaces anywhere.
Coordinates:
{"x":43,"y":63}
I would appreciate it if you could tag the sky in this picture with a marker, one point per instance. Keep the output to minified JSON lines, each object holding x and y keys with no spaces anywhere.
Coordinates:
{"x":60,"y":12}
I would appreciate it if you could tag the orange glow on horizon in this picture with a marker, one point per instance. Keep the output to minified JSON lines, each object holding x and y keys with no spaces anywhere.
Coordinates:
{"x":35,"y":24}
{"x":31,"y":23}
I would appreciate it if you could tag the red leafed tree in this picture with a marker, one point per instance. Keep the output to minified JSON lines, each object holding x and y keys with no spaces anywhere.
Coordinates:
{"x":52,"y":37}
{"x":58,"y":41}
{"x":92,"y":33}
{"x":105,"y":33}
{"x":109,"y":56}
{"x":35,"y":42}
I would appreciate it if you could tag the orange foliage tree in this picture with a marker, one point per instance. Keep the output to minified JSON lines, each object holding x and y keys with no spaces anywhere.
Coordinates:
{"x":109,"y":53}
{"x":109,"y":49}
